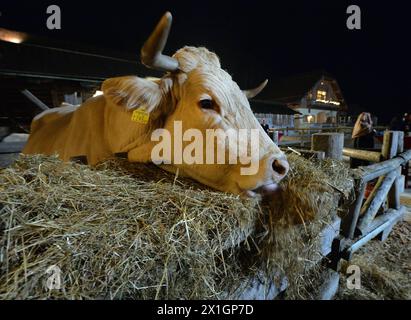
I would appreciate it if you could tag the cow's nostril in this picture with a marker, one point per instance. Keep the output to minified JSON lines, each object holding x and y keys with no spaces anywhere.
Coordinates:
{"x":280,"y":167}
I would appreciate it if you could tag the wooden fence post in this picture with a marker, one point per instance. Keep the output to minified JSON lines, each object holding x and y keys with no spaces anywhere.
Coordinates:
{"x":275,"y":137}
{"x":375,"y":200}
{"x":389,"y":145}
{"x":349,"y":223}
{"x":400,"y":147}
{"x":331,"y":143}
{"x":393,"y":144}
{"x":386,"y":185}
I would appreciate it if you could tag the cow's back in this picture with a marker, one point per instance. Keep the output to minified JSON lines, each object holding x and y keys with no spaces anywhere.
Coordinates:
{"x":48,"y":130}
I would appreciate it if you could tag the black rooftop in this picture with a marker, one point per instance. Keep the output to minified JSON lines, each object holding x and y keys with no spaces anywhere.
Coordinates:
{"x":292,"y":88}
{"x":259,"y":106}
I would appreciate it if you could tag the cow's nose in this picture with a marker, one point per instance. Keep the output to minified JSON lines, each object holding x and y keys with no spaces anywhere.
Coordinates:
{"x":280,"y":168}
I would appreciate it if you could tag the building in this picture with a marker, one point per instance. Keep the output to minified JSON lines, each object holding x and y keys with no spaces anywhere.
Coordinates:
{"x":316,"y":96}
{"x":275,"y":114}
{"x":38,"y":73}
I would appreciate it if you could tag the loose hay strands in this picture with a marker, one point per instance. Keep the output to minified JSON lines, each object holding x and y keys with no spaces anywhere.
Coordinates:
{"x":295,"y":221}
{"x":385,"y":268}
{"x":123,"y":230}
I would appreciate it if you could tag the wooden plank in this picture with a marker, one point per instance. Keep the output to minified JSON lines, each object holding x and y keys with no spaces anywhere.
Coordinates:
{"x":331,"y":143}
{"x":394,"y":193}
{"x":405,"y":200}
{"x":274,"y":137}
{"x":338,"y":245}
{"x":328,"y":234}
{"x":392,"y":215}
{"x":389,"y":145}
{"x":11,"y":147}
{"x":349,"y":222}
{"x":329,"y":287}
{"x":35,"y":100}
{"x":362,"y":154}
{"x":376,"y":170}
{"x":375,"y":200}
{"x":400,"y":147}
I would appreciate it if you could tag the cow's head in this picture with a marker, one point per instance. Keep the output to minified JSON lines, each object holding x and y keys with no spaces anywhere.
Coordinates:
{"x":198,"y":93}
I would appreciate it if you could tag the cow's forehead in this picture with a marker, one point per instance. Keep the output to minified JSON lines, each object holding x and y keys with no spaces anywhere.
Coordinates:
{"x":219,"y":84}
{"x":212,"y":79}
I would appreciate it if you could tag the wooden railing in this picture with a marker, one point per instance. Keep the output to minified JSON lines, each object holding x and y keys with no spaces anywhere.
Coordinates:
{"x":303,"y":136}
{"x":376,"y":214}
{"x":323,"y":129}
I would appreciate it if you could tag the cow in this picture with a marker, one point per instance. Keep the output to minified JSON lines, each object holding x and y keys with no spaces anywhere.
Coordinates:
{"x":194,"y":90}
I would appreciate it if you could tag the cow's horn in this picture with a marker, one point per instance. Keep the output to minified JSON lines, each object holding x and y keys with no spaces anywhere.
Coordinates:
{"x":152,"y":51}
{"x":251,"y":93}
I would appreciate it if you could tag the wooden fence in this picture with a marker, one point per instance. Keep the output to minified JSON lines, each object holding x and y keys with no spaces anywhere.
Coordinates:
{"x":303,"y":135}
{"x":375,"y":214}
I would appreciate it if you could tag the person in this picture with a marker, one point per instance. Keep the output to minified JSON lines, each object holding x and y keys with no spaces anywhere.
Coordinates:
{"x":397,"y":124}
{"x":363,"y":137}
{"x":265,"y":126}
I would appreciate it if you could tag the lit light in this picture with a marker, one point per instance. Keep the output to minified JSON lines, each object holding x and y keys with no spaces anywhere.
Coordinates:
{"x":321,"y":95}
{"x":12,"y":36}
{"x":328,"y":102}
{"x":310,"y":118}
{"x":98,"y":93}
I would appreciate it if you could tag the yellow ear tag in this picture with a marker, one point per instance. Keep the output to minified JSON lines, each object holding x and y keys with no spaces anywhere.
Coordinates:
{"x":140,"y":115}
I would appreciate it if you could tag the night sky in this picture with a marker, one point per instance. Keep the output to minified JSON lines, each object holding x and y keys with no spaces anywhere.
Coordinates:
{"x":254,"y":39}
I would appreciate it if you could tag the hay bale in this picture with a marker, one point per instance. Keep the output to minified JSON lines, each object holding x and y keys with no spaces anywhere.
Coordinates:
{"x":291,"y":243}
{"x":122,"y":230}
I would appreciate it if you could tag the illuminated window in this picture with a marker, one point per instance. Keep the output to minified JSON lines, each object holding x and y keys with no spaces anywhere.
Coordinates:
{"x":321,"y":95}
{"x":310,"y":119}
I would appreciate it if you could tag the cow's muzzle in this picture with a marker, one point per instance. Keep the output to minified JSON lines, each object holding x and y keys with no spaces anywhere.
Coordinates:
{"x":280,"y":168}
{"x":266,"y":191}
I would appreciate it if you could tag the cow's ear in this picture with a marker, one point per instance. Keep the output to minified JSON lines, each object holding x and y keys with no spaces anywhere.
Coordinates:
{"x":132,"y":92}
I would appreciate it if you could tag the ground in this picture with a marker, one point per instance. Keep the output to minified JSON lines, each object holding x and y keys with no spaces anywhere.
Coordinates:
{"x":385,"y":268}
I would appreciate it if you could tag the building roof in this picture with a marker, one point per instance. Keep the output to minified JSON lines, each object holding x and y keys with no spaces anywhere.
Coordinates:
{"x":268,"y":107}
{"x":46,"y":58}
{"x":291,"y":89}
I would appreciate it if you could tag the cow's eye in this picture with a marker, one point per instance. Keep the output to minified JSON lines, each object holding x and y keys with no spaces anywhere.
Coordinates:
{"x":206,"y":104}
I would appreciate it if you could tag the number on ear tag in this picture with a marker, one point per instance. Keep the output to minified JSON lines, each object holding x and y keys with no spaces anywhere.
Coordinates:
{"x":140,"y":115}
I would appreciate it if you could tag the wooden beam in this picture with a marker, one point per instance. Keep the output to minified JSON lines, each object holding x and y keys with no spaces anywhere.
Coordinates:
{"x":375,"y":200}
{"x":362,"y":154}
{"x":395,"y":191}
{"x":389,"y":145}
{"x":274,"y":137}
{"x":376,"y":170}
{"x":378,"y":226}
{"x":349,"y":222}
{"x":331,"y":143}
{"x":35,"y":100}
{"x":400,"y":147}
